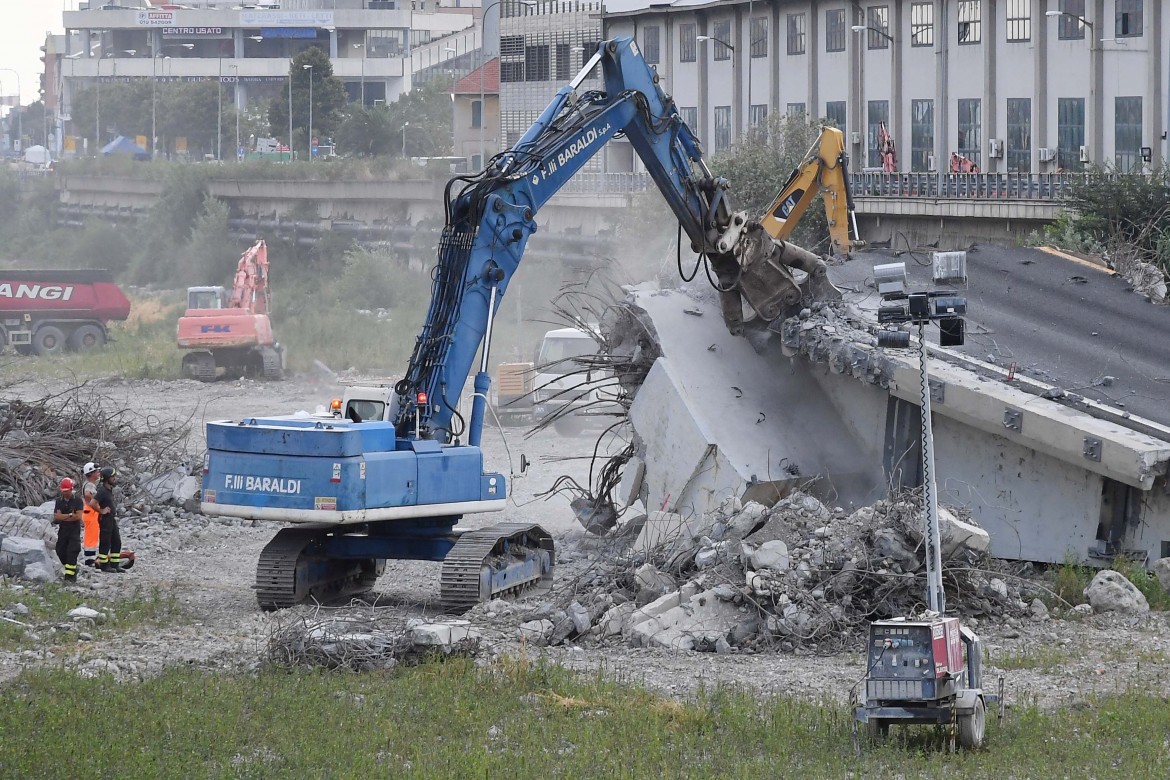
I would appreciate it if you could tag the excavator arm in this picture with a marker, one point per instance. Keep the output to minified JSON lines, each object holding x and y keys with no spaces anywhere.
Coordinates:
{"x":824,"y":170}
{"x":491,"y":216}
{"x":250,"y":285}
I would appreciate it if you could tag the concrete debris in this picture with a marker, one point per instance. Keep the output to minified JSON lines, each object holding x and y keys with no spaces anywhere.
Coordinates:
{"x":1110,"y":591}
{"x":441,"y":635}
{"x":83,"y":613}
{"x":1161,"y":570}
{"x":536,"y":632}
{"x":28,"y":558}
{"x":796,"y":575}
{"x":360,"y":643}
{"x":957,"y":537}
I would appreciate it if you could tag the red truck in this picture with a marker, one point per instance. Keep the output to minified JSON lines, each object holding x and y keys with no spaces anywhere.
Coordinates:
{"x":46,"y":312}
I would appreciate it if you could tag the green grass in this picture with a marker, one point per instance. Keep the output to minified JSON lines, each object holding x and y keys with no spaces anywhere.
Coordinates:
{"x":1069,"y":580}
{"x":455,"y":720}
{"x":1045,"y":659}
{"x":49,"y":606}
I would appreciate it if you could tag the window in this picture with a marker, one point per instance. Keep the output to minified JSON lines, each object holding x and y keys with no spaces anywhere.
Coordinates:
{"x":476,"y":114}
{"x":1127,"y":133}
{"x":757,"y":114}
{"x":511,"y":45}
{"x":835,"y":30}
{"x":878,"y":17}
{"x":512,"y":71}
{"x":921,"y":134}
{"x":969,"y":120}
{"x":969,"y":21}
{"x":588,"y":49}
{"x":722,"y":32}
{"x":1019,"y":135}
{"x":1070,"y":133}
{"x":795,"y":110}
{"x":835,"y":113}
{"x":476,"y":162}
{"x":690,"y":117}
{"x":536,"y":63}
{"x":879,"y":112}
{"x":1129,"y":19}
{"x":759,"y":33}
{"x":650,"y":50}
{"x":922,"y":24}
{"x":1070,"y":26}
{"x":722,"y":128}
{"x":686,"y":43}
{"x":796,"y":33}
{"x":564,"y":63}
{"x":1019,"y":21}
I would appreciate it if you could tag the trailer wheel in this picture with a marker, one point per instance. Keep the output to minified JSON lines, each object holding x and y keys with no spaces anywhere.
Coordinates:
{"x":86,"y":337}
{"x":48,"y":340}
{"x":971,"y":727}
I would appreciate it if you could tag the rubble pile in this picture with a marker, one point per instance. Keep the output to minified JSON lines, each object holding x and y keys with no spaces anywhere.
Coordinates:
{"x":377,"y":639}
{"x":796,"y":576}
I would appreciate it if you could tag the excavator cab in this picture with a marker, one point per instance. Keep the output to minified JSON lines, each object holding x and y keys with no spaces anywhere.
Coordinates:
{"x":205,"y":297}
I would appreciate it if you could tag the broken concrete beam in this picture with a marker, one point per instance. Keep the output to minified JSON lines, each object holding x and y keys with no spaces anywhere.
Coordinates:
{"x":667,"y":528}
{"x":441,"y":635}
{"x":696,"y":623}
{"x":955,"y":535}
{"x":630,"y":488}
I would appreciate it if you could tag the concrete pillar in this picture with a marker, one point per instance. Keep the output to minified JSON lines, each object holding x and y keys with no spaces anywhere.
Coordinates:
{"x":705,"y":110}
{"x":942,"y":75}
{"x":1156,"y":80}
{"x":739,"y":56}
{"x":899,"y":129}
{"x":812,"y":49}
{"x":989,"y":39}
{"x":1095,"y":131}
{"x":854,"y":45}
{"x":1040,"y":25}
{"x":333,"y":44}
{"x":774,"y":59}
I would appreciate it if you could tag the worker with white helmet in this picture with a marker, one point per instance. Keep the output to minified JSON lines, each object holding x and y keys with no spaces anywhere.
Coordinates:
{"x":67,"y":517}
{"x":91,"y":530}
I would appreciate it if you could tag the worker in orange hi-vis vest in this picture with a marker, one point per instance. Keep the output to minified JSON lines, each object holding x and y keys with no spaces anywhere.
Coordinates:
{"x":89,"y":514}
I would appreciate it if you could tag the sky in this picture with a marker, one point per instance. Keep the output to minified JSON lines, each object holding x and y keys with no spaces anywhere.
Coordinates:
{"x":21,"y":36}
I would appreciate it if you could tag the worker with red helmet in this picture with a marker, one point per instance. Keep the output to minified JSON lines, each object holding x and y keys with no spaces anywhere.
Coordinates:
{"x":67,"y":517}
{"x":91,"y":529}
{"x":109,"y":558}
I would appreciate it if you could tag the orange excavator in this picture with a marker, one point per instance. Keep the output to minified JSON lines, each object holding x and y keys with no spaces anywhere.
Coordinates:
{"x":231,"y":332}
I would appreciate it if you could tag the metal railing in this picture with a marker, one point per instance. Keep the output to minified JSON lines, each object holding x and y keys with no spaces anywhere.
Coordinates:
{"x":982,"y":186}
{"x":620,"y":183}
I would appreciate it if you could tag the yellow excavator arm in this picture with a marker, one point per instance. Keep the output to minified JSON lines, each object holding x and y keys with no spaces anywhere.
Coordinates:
{"x":825,"y":170}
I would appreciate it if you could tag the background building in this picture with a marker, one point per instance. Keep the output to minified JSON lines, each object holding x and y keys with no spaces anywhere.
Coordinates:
{"x":1015,"y":85}
{"x":476,"y":107}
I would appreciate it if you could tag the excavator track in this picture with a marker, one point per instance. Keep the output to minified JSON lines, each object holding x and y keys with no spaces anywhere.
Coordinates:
{"x":495,"y":561}
{"x":291,"y":570}
{"x":200,"y":366}
{"x":273,"y":368}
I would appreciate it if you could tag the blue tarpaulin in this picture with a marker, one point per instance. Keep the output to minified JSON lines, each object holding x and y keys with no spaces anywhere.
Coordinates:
{"x":124,"y":145}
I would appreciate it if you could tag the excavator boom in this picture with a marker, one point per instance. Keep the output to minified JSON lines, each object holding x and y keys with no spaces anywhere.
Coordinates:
{"x":824,"y":170}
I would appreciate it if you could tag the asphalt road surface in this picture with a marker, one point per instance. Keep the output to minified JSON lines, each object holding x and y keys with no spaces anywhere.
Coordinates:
{"x":1059,"y":321}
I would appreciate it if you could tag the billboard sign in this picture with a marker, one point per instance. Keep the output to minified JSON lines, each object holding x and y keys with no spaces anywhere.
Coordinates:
{"x":155,"y":18}
{"x":286,"y":18}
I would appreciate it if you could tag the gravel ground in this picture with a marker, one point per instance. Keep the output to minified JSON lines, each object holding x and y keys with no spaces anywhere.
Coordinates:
{"x":208,"y":564}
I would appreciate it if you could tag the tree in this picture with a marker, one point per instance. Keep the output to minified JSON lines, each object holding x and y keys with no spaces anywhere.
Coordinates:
{"x":30,"y":120}
{"x":310,"y":66}
{"x":367,"y":132}
{"x":428,"y":112}
{"x":759,"y":165}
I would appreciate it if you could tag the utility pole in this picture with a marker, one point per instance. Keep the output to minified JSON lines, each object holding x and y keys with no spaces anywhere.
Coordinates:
{"x":310,"y":133}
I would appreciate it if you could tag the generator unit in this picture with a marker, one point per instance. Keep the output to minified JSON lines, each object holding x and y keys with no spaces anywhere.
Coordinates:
{"x":926,"y":670}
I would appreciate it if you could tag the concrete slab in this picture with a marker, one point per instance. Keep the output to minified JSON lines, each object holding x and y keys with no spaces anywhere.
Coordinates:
{"x":719,"y":417}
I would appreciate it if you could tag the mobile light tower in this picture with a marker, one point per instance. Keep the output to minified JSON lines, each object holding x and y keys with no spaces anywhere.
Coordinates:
{"x":915,"y":670}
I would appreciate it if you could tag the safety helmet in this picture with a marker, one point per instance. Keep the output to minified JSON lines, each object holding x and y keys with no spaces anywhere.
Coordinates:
{"x":89,"y":468}
{"x":66,"y":484}
{"x":109,"y":471}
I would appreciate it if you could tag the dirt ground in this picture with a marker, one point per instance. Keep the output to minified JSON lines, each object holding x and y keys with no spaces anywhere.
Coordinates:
{"x":209,"y":564}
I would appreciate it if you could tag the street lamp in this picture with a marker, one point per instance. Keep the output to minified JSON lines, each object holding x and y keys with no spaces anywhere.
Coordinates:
{"x":310,"y":69}
{"x":865,"y":27}
{"x":236,"y":105}
{"x":1083,"y":21}
{"x":404,"y":126}
{"x":482,"y":68}
{"x":713,"y":38}
{"x":154,"y":89}
{"x":290,"y":137}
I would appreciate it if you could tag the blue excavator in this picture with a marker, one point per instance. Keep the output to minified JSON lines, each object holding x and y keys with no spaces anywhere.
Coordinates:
{"x":360,"y":492}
